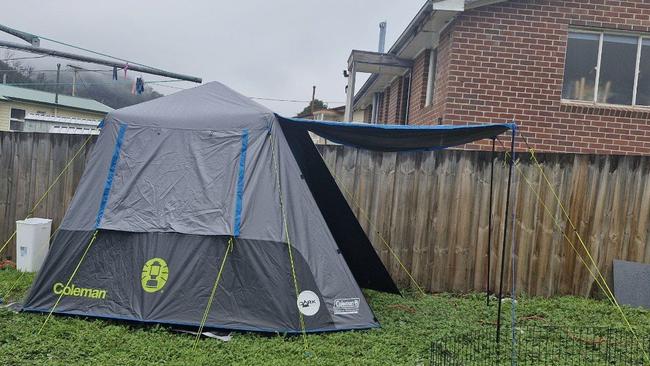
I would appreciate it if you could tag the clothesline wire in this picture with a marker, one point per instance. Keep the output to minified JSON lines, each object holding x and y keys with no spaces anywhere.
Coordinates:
{"x":97,"y":53}
{"x":91,"y":83}
{"x":293,"y":100}
{"x":23,"y":58}
{"x":144,"y":65}
{"x":54,"y":70}
{"x":157,"y":83}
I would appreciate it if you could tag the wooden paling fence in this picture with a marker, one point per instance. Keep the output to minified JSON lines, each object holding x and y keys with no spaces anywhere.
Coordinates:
{"x":29,"y":163}
{"x":430,"y":207}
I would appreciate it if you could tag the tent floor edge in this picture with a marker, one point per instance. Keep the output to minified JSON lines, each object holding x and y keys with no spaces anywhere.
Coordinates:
{"x":295,"y":332}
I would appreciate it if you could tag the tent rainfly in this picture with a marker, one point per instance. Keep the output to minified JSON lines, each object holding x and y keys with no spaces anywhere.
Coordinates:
{"x":206,"y":197}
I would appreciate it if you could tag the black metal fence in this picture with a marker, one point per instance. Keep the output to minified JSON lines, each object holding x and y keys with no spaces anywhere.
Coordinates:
{"x":543,"y":345}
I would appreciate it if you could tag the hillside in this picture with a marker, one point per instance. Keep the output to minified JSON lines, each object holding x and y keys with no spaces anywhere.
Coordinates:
{"x":97,"y":85}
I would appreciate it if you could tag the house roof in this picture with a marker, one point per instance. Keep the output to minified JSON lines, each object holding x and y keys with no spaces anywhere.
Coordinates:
{"x":415,"y":27}
{"x":333,"y":111}
{"x":8,"y":92}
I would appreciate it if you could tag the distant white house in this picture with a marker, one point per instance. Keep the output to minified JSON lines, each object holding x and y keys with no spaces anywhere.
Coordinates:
{"x":28,"y":110}
{"x":50,"y":124}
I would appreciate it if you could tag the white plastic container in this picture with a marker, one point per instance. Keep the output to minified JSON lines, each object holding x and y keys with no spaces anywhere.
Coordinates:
{"x":32,"y":243}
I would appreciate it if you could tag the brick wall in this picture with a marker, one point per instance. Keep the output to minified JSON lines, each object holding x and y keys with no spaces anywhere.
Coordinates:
{"x":419,"y":76}
{"x":367,"y":114}
{"x":394,"y":101}
{"x":506,"y":62}
{"x":418,"y":113}
{"x":383,"y":117}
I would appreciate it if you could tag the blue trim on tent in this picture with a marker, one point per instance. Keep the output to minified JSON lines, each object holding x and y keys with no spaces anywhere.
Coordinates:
{"x":510,"y":126}
{"x":239,"y":328}
{"x":240,"y":182}
{"x":111,"y":174}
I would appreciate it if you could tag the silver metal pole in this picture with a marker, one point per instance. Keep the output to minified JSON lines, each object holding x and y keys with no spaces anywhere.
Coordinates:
{"x":99,"y":61}
{"x":382,"y":37}
{"x":56,"y":87}
{"x":28,"y":37}
{"x":349,"y":100}
{"x":74,"y":83}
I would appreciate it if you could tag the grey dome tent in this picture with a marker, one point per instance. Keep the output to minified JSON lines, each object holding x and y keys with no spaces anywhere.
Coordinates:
{"x":206,"y":197}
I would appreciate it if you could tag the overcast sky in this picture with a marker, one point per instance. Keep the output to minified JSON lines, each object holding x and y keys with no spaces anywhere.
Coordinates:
{"x":273,"y":49}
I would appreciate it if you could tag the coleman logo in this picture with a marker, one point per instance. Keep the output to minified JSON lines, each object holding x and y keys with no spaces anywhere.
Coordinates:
{"x":154,"y":275}
{"x":308,"y":303}
{"x":346,"y":306}
{"x":72,"y":290}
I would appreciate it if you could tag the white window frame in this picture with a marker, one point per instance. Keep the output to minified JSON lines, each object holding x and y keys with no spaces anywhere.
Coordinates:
{"x":637,"y":72}
{"x":17,"y":120}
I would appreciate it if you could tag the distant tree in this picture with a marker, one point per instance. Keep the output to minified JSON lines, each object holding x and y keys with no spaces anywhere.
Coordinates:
{"x":318,"y":104}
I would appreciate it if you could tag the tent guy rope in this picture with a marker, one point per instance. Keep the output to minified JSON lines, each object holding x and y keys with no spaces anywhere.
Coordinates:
{"x":597,"y":275}
{"x":377,"y":231}
{"x":584,"y":246}
{"x":92,"y":240}
{"x":40,"y":200}
{"x":286,"y":232}
{"x":214,"y":290}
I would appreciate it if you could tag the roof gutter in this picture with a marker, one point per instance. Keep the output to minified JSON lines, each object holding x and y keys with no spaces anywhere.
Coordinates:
{"x":428,"y":9}
{"x":52,"y":104}
{"x":412,"y":28}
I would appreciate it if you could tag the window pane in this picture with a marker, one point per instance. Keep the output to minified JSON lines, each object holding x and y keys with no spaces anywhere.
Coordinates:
{"x":617,"y":69}
{"x":643,"y":92}
{"x":580,"y":67}
{"x":17,"y":113}
{"x":16,"y":126}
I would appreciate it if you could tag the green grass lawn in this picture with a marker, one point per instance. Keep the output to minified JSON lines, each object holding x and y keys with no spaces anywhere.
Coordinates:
{"x":409,"y":325}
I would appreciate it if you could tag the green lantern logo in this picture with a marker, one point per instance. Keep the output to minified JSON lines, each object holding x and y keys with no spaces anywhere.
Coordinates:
{"x":154,"y":274}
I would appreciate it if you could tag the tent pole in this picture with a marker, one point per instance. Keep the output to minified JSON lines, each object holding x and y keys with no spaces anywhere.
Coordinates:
{"x":489,"y":247}
{"x":505,"y":233}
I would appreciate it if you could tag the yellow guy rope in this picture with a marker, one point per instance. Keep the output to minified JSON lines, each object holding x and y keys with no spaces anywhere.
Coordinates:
{"x":214,"y":290}
{"x":48,"y":189}
{"x":608,"y":291}
{"x":374,"y":228}
{"x":557,"y":224}
{"x":286,"y":231}
{"x":559,"y":227}
{"x":92,"y":240}
{"x":23,"y":273}
{"x":13,"y":285}
{"x":597,"y":278}
{"x":575,"y":230}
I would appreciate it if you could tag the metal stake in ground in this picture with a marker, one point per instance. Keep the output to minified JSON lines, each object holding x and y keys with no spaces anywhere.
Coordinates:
{"x":505,"y":233}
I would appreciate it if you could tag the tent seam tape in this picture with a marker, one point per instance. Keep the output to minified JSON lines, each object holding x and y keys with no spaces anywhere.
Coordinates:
{"x":240,"y":182}
{"x":111,"y":174}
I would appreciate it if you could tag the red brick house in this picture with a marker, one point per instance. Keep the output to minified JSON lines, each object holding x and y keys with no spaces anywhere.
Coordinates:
{"x":575,"y":75}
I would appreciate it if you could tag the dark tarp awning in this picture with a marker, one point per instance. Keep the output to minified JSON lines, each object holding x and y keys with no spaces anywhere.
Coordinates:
{"x":365,"y":264}
{"x":398,"y":137}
